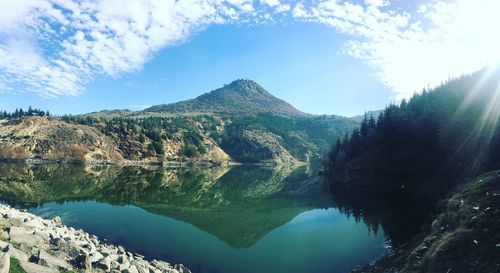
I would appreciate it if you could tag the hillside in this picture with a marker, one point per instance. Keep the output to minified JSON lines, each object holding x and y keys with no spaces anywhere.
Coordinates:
{"x":462,"y":238}
{"x":236,"y":98}
{"x":95,"y":140}
{"x":53,"y":139}
{"x":240,"y":122}
{"x":451,"y":132}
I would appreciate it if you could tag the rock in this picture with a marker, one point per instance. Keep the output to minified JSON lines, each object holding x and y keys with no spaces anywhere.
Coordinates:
{"x":82,"y":261}
{"x":181,"y":268}
{"x":71,"y":250}
{"x":16,"y":253}
{"x":124,"y":266}
{"x":161,"y":265}
{"x":114,"y":264}
{"x":3,"y":245}
{"x":131,"y":269}
{"x":46,"y":246}
{"x":122,"y":259}
{"x":121,"y":250}
{"x":95,"y":257}
{"x":57,"y":220}
{"x":48,"y":260}
{"x":35,"y":268}
{"x":27,"y":240}
{"x":13,"y":231}
{"x":104,"y":264}
{"x":4,"y":262}
{"x":140,"y":269}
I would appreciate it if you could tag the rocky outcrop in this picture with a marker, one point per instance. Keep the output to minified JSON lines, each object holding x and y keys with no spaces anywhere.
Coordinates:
{"x":49,"y":139}
{"x":52,"y":139}
{"x":258,"y":146}
{"x":40,"y":246}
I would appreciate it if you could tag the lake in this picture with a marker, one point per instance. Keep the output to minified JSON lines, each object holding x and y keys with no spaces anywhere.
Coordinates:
{"x":240,"y":219}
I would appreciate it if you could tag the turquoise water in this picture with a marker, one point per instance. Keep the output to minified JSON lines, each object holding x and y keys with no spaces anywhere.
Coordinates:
{"x":234,"y":220}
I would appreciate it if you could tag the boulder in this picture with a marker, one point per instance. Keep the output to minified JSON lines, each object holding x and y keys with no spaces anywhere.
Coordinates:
{"x":182,"y":269}
{"x":4,"y":262}
{"x":131,"y":269}
{"x":13,"y":231}
{"x":95,"y":257}
{"x":30,"y":240}
{"x":104,"y":264}
{"x":82,"y":261}
{"x":35,"y":268}
{"x":16,"y":253}
{"x":48,"y":260}
{"x":123,"y":266}
{"x":57,"y":220}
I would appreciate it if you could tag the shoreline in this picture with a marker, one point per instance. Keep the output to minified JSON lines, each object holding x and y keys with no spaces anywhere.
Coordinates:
{"x":182,"y":164}
{"x":463,"y":237}
{"x":38,"y":245}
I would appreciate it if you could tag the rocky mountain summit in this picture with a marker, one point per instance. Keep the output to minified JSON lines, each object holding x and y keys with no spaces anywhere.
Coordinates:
{"x":36,"y":245}
{"x":237,"y":98}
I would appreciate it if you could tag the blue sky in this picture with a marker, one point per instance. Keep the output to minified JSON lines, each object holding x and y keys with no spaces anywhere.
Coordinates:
{"x":326,"y":57}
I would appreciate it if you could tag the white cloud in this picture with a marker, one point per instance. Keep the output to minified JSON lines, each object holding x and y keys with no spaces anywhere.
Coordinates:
{"x":414,"y":49}
{"x":64,"y":44}
{"x":56,"y":47}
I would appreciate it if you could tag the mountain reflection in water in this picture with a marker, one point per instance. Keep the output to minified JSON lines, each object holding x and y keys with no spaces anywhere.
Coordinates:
{"x":263,"y":218}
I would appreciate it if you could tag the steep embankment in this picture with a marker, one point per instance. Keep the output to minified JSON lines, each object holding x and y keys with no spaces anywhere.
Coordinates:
{"x":52,"y":139}
{"x":48,"y":138}
{"x":463,"y":238}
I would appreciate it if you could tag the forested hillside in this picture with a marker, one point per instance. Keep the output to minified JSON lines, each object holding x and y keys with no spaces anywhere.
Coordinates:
{"x":240,"y":97}
{"x":451,"y":131}
{"x":240,"y":122}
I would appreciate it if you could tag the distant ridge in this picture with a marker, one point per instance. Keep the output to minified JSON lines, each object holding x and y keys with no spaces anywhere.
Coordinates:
{"x":242,"y":96}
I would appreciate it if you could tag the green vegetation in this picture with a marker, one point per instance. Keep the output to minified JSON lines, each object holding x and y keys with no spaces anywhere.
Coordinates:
{"x":153,"y":131}
{"x":15,"y":267}
{"x":451,"y":132}
{"x":305,"y":137}
{"x":21,"y":113}
{"x":463,"y":237}
{"x":241,"y":97}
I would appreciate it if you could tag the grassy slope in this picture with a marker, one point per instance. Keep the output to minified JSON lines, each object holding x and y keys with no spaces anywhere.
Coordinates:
{"x":463,"y":238}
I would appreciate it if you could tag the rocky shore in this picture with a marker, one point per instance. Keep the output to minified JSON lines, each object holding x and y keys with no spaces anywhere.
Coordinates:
{"x":463,"y":238}
{"x":32,"y":244}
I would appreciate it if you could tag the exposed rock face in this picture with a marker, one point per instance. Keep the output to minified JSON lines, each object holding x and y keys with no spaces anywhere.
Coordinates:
{"x":49,"y":247}
{"x":264,"y":146}
{"x":50,"y":138}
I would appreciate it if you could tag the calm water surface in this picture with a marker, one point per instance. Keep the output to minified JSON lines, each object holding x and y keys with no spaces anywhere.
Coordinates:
{"x":244,"y":219}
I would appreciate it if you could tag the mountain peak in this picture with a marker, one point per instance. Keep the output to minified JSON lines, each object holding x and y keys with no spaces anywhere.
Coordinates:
{"x":242,"y":96}
{"x":245,"y":87}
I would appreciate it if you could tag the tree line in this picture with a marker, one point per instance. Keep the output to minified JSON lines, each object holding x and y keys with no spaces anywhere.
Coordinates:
{"x":451,"y":130}
{"x":30,"y":112}
{"x":155,"y":129}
